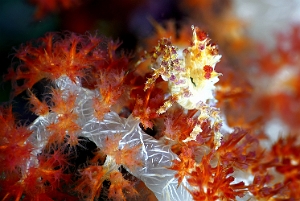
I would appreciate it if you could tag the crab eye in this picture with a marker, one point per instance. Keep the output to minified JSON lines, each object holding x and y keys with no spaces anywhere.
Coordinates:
{"x":193,"y":81}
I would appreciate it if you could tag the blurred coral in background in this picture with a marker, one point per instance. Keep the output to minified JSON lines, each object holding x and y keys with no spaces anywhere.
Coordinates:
{"x":150,"y":100}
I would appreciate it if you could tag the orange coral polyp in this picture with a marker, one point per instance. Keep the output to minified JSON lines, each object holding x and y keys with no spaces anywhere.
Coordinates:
{"x":120,"y":188}
{"x":90,"y":184}
{"x":36,"y":106}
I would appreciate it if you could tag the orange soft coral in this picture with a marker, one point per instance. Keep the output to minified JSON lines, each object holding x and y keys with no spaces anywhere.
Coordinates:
{"x":214,"y":182}
{"x":53,"y":56}
{"x":184,"y":165}
{"x":66,"y":123}
{"x":120,"y":188}
{"x":14,"y":150}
